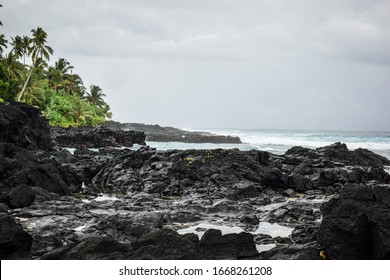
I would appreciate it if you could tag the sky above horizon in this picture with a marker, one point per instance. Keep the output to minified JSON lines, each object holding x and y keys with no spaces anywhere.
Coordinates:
{"x":261,"y":64}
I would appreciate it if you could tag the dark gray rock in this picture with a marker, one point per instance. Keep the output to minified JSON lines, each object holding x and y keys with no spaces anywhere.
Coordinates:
{"x":170,"y":134}
{"x":24,"y":126}
{"x":21,"y":196}
{"x":293,"y":252}
{"x":95,"y":137}
{"x":214,"y":245}
{"x":15,"y":243}
{"x":252,"y":220}
{"x":165,"y":245}
{"x":356,"y":225}
{"x":50,"y":176}
{"x":94,"y":248}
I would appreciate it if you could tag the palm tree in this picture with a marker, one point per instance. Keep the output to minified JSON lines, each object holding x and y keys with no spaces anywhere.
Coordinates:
{"x":39,"y":49}
{"x":3,"y":43}
{"x":35,"y":94}
{"x":58,"y":75}
{"x":63,"y":65}
{"x":17,"y":46}
{"x":26,"y":47}
{"x":13,"y":67}
{"x":75,"y":85}
{"x":79,"y":113}
{"x":95,"y":96}
{"x":40,"y":67}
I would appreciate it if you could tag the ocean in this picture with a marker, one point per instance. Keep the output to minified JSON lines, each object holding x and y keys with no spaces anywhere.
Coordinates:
{"x":279,"y":141}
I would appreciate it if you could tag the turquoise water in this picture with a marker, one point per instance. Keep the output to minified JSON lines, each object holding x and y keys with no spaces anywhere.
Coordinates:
{"x":279,"y":141}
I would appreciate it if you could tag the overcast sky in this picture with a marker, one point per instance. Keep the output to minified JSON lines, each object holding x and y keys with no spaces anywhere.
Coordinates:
{"x":279,"y":64}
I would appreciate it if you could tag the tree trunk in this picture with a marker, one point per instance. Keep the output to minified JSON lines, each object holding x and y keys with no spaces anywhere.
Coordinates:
{"x":25,"y":84}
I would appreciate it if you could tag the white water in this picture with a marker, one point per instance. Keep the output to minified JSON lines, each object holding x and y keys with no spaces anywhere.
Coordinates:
{"x":274,"y":230}
{"x":279,"y":141}
{"x":201,"y":228}
{"x":101,"y":197}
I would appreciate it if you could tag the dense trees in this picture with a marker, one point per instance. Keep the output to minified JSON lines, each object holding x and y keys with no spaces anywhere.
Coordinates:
{"x":55,"y":89}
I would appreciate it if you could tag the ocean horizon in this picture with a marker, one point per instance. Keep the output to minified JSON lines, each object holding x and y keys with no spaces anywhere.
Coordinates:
{"x":278,"y":141}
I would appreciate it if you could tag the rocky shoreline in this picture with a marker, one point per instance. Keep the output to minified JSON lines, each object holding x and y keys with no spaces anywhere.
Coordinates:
{"x":110,"y":203}
{"x":156,"y":133}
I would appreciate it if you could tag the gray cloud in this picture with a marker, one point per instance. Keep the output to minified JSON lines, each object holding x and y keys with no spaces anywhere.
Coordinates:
{"x":224,"y":63}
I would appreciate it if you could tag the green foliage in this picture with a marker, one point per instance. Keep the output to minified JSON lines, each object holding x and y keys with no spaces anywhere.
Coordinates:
{"x":59,"y":93}
{"x":8,"y":86}
{"x":64,"y":109}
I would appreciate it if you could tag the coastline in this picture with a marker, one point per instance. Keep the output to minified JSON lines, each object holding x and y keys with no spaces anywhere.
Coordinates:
{"x":145,"y":203}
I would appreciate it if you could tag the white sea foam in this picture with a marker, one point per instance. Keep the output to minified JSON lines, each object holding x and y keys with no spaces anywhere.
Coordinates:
{"x":201,"y":228}
{"x":274,"y":230}
{"x":80,"y":228}
{"x":279,"y":141}
{"x":105,"y":197}
{"x":265,"y":247}
{"x":71,"y":150}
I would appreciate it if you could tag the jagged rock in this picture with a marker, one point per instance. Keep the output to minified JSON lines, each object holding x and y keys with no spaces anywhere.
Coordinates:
{"x":356,"y":225}
{"x":26,"y":153}
{"x":155,"y":190}
{"x":96,"y":137}
{"x":338,"y":152}
{"x":15,"y":243}
{"x":24,"y":126}
{"x":303,"y":234}
{"x":55,"y":179}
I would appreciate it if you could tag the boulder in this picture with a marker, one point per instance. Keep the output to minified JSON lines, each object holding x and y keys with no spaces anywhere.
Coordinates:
{"x":165,"y":245}
{"x":21,"y":196}
{"x":15,"y":243}
{"x":356,"y":225}
{"x":214,"y":245}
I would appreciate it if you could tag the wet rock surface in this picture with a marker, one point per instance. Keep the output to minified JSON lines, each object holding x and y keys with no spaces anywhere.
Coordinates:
{"x":194,"y":204}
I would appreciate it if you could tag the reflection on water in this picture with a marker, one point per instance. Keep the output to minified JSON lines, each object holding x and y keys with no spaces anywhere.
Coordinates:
{"x":200,"y":229}
{"x":274,"y":230}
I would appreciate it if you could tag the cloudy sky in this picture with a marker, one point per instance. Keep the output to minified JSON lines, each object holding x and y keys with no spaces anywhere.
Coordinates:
{"x":279,"y":64}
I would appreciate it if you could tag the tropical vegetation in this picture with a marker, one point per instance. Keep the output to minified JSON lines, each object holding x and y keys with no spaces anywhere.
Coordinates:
{"x":55,"y":89}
